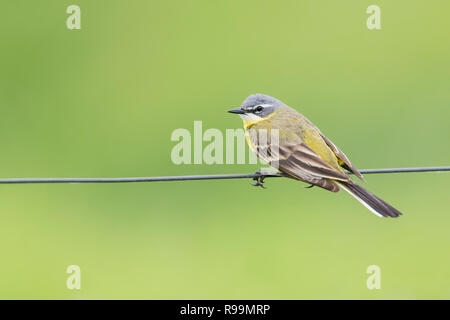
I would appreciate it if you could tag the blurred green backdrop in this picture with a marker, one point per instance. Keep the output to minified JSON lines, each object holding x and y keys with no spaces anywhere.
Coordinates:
{"x":103,"y":101}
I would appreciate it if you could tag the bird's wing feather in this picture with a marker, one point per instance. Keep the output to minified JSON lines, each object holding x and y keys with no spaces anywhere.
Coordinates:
{"x":299,"y":159}
{"x":292,"y":161}
{"x":342,"y":157}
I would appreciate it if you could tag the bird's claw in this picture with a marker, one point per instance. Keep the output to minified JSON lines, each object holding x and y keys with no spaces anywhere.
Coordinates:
{"x":259,"y":181}
{"x":309,"y":187}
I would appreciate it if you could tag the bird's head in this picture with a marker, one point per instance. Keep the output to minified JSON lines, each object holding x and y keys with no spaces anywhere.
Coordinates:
{"x":257,"y":107}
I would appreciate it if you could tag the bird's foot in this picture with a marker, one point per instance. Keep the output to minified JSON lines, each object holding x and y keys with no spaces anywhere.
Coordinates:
{"x":259,"y":180}
{"x":309,"y":187}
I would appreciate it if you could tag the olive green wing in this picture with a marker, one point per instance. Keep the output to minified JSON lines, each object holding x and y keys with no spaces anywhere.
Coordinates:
{"x":302,"y":163}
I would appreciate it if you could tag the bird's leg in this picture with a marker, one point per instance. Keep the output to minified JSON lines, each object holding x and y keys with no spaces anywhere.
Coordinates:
{"x":259,"y":182}
{"x":259,"y":179}
{"x":261,"y":174}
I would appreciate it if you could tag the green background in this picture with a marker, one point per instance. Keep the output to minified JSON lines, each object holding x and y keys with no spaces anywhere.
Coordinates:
{"x":103,"y":101}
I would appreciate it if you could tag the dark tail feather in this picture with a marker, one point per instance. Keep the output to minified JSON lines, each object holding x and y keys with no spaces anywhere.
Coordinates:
{"x":369,"y":200}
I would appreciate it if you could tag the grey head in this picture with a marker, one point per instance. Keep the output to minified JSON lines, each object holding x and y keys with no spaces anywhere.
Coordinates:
{"x":257,"y":106}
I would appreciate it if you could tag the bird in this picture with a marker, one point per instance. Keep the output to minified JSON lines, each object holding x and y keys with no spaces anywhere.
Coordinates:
{"x":289,"y":142}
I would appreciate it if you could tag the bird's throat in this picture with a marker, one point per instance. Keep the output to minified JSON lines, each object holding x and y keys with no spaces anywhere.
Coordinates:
{"x":250,"y":119}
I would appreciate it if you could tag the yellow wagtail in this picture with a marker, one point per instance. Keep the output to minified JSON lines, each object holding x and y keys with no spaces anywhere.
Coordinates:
{"x":301,"y":151}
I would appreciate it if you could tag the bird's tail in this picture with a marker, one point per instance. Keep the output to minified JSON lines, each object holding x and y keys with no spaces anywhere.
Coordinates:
{"x":369,"y":200}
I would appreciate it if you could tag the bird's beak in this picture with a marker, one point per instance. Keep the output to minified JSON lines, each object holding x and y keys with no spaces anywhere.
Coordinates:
{"x":237,"y":110}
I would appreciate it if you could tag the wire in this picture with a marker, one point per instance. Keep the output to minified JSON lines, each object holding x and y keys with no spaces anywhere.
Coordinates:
{"x":255,"y":175}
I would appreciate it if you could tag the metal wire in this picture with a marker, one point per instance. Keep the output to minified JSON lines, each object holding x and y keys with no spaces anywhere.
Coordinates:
{"x":254,"y":175}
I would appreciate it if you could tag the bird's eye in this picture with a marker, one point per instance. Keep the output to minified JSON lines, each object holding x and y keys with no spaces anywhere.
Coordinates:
{"x":259,"y":109}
